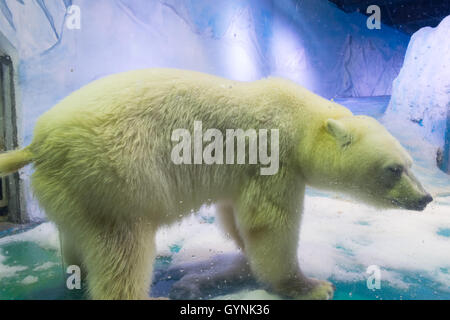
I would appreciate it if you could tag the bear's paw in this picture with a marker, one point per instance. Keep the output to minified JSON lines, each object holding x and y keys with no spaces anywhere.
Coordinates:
{"x":319,"y":290}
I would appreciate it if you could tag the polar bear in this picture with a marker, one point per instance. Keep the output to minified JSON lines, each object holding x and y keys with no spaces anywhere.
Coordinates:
{"x":104,"y":174}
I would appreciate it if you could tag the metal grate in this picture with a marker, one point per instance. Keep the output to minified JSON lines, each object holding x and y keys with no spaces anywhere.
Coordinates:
{"x":10,"y":186}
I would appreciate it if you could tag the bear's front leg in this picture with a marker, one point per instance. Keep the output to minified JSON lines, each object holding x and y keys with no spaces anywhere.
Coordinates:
{"x":270,"y":226}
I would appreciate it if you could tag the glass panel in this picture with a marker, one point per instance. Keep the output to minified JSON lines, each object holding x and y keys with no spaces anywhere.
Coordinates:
{"x":224,"y":149}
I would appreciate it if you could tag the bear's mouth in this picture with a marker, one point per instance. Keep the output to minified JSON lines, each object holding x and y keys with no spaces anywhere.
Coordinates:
{"x":415,"y":206}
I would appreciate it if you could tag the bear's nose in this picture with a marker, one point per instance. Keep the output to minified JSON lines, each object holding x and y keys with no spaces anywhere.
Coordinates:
{"x":426,"y":199}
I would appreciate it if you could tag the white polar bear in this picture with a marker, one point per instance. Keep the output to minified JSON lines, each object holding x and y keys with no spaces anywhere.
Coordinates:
{"x":104,"y":175}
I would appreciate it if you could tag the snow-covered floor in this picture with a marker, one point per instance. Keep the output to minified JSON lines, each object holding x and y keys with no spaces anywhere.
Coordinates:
{"x":339,"y":239}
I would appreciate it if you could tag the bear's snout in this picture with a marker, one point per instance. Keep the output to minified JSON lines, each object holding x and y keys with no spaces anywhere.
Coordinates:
{"x":420,"y":204}
{"x":424,"y":201}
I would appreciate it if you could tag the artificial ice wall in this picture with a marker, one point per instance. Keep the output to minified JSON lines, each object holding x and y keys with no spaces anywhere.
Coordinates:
{"x":421,"y":92}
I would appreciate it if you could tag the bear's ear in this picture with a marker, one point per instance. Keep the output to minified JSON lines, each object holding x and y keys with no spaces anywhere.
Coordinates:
{"x":337,"y":129}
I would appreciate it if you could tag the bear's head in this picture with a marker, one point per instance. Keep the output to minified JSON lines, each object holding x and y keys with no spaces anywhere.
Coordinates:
{"x":360,"y":157}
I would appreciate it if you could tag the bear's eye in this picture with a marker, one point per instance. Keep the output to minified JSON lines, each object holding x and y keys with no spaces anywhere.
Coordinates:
{"x":396,"y":170}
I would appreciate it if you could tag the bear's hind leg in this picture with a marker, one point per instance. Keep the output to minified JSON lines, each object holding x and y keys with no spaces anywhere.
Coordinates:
{"x":225,"y":215}
{"x":119,"y":261}
{"x":70,"y":250}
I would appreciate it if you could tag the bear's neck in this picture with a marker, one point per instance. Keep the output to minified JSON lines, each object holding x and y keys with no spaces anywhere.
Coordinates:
{"x":317,"y":151}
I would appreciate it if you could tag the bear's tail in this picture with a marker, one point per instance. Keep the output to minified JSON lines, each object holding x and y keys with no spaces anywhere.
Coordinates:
{"x":12,"y":161}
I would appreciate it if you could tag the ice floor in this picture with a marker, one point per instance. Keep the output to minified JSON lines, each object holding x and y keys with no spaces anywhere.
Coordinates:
{"x":339,"y":240}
